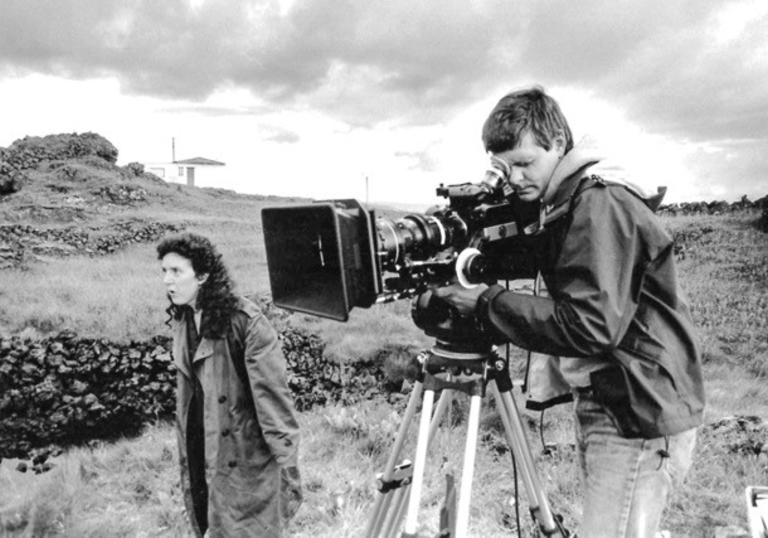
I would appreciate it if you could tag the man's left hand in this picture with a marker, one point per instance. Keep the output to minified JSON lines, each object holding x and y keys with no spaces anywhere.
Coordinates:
{"x":463,"y":299}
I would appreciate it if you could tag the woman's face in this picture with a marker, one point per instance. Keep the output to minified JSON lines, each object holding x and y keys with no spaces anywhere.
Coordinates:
{"x":181,"y":282}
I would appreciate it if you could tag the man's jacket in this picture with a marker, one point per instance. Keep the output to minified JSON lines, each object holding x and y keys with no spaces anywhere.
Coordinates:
{"x":251,"y":434}
{"x":613,"y":295}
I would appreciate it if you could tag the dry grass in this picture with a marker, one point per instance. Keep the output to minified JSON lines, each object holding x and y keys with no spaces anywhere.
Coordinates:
{"x":131,"y":487}
{"x":124,"y":489}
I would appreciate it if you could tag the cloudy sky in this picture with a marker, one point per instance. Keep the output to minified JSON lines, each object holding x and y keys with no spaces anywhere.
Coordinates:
{"x":311,"y":97}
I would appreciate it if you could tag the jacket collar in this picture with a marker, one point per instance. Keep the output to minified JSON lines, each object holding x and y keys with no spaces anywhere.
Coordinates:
{"x":204,"y":349}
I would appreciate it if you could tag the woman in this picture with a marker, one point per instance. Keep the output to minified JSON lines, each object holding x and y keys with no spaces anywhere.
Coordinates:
{"x":237,"y":431}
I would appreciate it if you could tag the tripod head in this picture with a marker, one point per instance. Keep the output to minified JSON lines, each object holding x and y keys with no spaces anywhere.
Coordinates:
{"x":456,"y":336}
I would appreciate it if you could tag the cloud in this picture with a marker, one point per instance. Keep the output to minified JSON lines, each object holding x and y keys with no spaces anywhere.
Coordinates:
{"x":662,"y":60}
{"x":700,"y":89}
{"x":691,"y":70}
{"x":407,"y":61}
{"x":728,"y":170}
{"x":281,"y":136}
{"x":419,"y":160}
{"x":213,"y":111}
{"x":341,"y":53}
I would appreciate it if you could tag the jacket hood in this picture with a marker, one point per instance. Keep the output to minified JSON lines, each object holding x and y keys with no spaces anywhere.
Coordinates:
{"x":585,"y":154}
{"x":581,"y":156}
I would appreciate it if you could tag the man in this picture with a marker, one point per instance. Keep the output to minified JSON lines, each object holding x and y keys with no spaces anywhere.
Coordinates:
{"x":614,"y":309}
{"x":236,"y":425}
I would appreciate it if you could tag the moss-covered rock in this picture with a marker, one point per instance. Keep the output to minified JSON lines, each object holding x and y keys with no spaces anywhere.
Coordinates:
{"x":29,"y":152}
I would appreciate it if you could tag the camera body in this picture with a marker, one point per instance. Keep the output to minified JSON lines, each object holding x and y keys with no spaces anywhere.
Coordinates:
{"x":328,"y":257}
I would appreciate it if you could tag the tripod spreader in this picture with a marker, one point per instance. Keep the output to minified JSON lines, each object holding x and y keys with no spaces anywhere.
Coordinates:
{"x":401,"y":476}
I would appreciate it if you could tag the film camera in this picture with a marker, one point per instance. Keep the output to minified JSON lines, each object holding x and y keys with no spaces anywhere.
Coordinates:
{"x":328,"y":257}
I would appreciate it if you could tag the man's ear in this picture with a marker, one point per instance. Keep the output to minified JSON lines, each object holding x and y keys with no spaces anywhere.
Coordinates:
{"x":202,"y":278}
{"x":558,"y":142}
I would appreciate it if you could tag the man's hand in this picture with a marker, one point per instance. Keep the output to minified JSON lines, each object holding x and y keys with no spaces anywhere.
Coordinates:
{"x":463,"y":299}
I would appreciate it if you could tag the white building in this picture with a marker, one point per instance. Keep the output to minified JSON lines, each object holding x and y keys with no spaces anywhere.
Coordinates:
{"x":195,"y":172}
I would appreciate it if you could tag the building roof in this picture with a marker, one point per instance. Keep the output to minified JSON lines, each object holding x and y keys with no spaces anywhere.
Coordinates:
{"x":200,"y":161}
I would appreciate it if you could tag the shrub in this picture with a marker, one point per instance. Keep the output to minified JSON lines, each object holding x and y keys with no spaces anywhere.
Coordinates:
{"x":134,"y":169}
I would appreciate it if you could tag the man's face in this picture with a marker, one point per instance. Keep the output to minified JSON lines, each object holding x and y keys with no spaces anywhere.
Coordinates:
{"x":180,"y":280}
{"x":531,"y":166}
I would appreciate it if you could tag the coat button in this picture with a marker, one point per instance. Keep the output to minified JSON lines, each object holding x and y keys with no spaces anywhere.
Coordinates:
{"x":222,"y":399}
{"x":225,"y":432}
{"x":232,"y":463}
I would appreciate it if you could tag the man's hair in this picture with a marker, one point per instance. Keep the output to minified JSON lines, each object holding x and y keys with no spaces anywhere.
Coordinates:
{"x":216,"y":296}
{"x":522,"y":111}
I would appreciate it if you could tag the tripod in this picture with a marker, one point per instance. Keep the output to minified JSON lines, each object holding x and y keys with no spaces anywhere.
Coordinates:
{"x":452,"y":371}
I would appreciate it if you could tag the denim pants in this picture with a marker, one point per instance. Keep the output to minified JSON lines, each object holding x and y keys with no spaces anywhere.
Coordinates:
{"x":626,"y":482}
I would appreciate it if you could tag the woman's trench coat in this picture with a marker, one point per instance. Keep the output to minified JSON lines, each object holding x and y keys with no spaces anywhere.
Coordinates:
{"x":251,"y":434}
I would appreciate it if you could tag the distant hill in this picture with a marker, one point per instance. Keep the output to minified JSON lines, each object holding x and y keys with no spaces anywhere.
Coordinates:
{"x":64,"y":194}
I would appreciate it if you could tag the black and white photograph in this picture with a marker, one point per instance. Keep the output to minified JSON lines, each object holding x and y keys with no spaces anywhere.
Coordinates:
{"x":402,"y":269}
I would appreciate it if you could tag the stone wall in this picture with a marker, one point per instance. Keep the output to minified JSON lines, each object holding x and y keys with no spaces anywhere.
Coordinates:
{"x":66,"y":390}
{"x":22,"y":242}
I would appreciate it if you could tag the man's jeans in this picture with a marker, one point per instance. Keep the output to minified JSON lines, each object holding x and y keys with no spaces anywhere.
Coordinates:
{"x":626,"y":482}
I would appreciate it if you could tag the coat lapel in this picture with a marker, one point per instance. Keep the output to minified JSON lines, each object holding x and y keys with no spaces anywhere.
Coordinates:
{"x":180,"y":350}
{"x":204,"y":350}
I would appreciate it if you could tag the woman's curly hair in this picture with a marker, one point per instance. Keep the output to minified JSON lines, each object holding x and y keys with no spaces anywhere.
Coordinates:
{"x":216,"y":295}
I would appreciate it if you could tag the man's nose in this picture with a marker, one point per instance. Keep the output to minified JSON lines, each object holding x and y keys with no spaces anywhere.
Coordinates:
{"x":167,"y":278}
{"x":515,"y":176}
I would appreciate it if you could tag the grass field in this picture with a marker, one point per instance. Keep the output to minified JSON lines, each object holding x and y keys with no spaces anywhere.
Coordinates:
{"x":130,"y":488}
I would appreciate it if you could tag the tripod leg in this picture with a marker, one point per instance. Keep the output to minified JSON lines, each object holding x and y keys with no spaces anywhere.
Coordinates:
{"x":401,"y":495}
{"x":514,"y":441}
{"x":513,"y":427}
{"x":395,"y":516}
{"x":462,"y":514}
{"x":383,"y":500}
{"x":419,"y":463}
